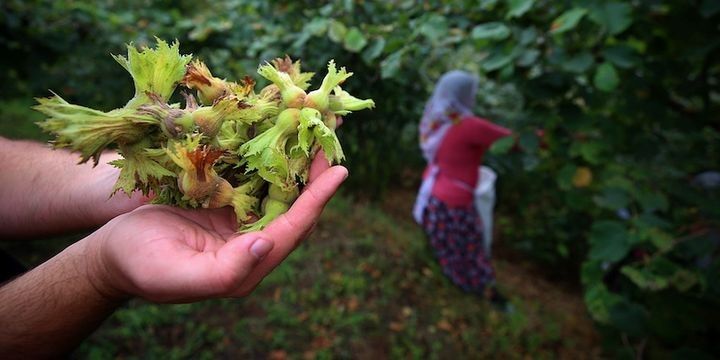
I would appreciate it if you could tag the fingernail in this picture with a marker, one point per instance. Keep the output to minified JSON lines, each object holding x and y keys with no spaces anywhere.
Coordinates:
{"x":260,"y":248}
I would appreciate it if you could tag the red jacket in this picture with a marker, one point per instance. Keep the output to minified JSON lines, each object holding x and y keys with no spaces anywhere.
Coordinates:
{"x":459,"y":156}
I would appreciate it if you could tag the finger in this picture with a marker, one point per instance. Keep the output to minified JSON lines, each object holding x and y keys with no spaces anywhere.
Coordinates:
{"x":318,"y":165}
{"x":288,"y":229}
{"x":307,"y":208}
{"x":237,"y":258}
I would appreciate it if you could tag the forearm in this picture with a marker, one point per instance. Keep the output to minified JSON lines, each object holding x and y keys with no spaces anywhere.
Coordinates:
{"x":45,"y":191}
{"x":48,"y":311}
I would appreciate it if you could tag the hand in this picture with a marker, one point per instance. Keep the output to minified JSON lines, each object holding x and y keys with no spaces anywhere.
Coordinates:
{"x":167,"y":254}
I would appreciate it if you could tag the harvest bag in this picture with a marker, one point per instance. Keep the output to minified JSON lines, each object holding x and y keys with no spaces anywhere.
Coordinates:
{"x":484,"y":196}
{"x":423,"y":196}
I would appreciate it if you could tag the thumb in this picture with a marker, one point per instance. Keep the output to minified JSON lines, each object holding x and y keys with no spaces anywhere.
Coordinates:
{"x":239,"y":256}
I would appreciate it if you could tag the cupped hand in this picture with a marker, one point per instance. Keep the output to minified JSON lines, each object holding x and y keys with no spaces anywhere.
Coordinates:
{"x":167,"y":254}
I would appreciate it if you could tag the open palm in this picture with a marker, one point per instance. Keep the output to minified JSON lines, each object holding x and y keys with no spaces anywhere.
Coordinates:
{"x":167,"y":254}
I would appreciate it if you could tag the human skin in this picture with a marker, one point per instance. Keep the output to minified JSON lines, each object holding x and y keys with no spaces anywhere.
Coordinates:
{"x":39,"y":183}
{"x":158,"y":253}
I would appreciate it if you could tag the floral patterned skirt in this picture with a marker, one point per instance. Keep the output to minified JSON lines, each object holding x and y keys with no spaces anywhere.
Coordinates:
{"x":456,"y":239}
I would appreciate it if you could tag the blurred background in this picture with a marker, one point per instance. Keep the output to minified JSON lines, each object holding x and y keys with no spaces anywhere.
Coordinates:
{"x":607,"y":237}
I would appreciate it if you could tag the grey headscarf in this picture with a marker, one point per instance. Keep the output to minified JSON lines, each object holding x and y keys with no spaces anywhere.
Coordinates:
{"x":453,"y":97}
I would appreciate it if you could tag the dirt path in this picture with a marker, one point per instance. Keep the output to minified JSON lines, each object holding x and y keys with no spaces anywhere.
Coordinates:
{"x":526,"y":281}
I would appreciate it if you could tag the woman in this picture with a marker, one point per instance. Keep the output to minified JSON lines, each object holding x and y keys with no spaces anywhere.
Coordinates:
{"x":453,"y":142}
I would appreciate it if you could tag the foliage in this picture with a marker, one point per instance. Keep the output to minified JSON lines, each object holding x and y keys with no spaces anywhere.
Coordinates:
{"x":627,"y":94}
{"x":628,"y":126}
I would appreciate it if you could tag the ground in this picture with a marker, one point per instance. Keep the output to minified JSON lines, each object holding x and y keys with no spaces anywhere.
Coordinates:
{"x":364,"y":285}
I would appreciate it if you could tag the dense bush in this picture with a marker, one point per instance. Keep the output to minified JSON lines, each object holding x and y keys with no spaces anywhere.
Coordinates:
{"x":627,"y":92}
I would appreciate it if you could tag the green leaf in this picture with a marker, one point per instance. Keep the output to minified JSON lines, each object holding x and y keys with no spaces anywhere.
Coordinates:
{"x":391,"y":65}
{"x":490,"y":31}
{"x":527,"y":36}
{"x":316,"y":26}
{"x":518,"y":8}
{"x":599,"y":300}
{"x":565,"y":177}
{"x":487,"y":4}
{"x":649,"y":220}
{"x":591,"y":273}
{"x":502,"y":146}
{"x":89,"y":131}
{"x":528,"y":57}
{"x":644,"y":279}
{"x":312,"y":129}
{"x":342,"y":103}
{"x":562,"y":250}
{"x":530,"y":162}
{"x":613,"y":198}
{"x":663,"y":267}
{"x":337,"y":31}
{"x":621,"y":56}
{"x":138,"y":169}
{"x":374,"y":50}
{"x":651,"y":201}
{"x":629,"y":317}
{"x":578,"y":63}
{"x":608,"y":241}
{"x":606,"y":78}
{"x":300,"y":41}
{"x":660,"y":239}
{"x":616,"y":17}
{"x":660,"y":274}
{"x":435,"y":28}
{"x":684,"y":280}
{"x":156,"y":71}
{"x":529,"y":142}
{"x":354,"y":40}
{"x":567,"y":21}
{"x":589,"y":151}
{"x":497,"y":59}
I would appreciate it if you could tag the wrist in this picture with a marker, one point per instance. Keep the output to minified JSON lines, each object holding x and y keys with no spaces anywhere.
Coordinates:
{"x":98,"y":271}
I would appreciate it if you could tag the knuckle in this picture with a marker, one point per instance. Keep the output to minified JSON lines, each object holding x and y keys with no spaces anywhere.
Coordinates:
{"x":313,"y":192}
{"x":290,"y":222}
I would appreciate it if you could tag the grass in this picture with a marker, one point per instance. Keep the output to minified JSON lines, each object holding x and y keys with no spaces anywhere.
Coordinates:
{"x":364,"y":285}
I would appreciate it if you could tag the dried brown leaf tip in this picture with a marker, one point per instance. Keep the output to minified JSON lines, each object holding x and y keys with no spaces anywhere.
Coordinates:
{"x":241,"y":104}
{"x":202,"y":159}
{"x":284,"y":64}
{"x":210,"y":88}
{"x":196,"y":73}
{"x":246,"y":86}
